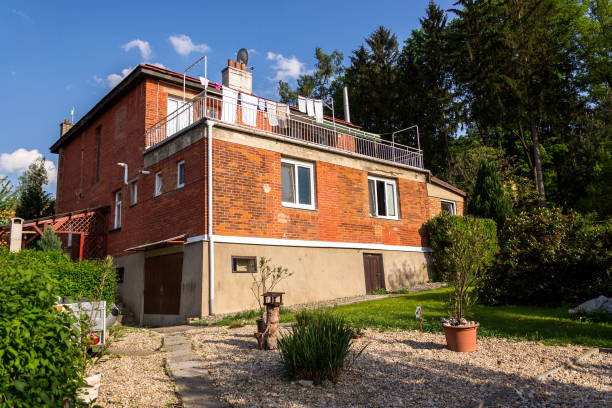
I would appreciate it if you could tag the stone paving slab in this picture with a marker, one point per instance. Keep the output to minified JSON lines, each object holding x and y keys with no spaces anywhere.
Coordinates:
{"x":193,"y":383}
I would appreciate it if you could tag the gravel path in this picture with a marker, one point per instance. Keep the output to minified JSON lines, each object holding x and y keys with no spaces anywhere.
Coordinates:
{"x":133,"y":374}
{"x":408,"y":368}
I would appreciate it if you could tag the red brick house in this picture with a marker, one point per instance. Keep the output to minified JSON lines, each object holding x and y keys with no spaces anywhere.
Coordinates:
{"x":341,"y":208}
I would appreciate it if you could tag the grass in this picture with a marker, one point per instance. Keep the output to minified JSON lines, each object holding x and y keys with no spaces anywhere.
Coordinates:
{"x":552,"y":326}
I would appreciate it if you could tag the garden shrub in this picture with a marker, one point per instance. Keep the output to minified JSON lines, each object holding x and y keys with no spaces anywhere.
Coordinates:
{"x":40,"y":357}
{"x":550,"y":258}
{"x":443,"y":231}
{"x":77,"y":280}
{"x":318,"y":347}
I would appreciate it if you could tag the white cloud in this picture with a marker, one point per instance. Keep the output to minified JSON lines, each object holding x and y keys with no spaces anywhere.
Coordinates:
{"x":143,"y":46}
{"x":252,"y":51}
{"x":158,"y":64}
{"x":20,"y":159}
{"x":286,"y":68}
{"x":113,"y":79}
{"x":184,"y":45}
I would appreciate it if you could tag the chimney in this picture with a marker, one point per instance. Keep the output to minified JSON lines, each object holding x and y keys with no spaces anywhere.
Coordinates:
{"x":236,"y":76}
{"x":347,"y":112}
{"x":65,"y":126}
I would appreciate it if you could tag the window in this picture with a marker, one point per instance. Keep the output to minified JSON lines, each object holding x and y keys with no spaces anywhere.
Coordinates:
{"x":447,"y":206}
{"x":383,"y":198}
{"x":133,"y":192}
{"x":117,"y":219}
{"x":298,"y":184}
{"x":120,"y":272}
{"x":159,"y":183}
{"x":180,"y":174}
{"x":244,"y":264}
{"x":179,"y":115}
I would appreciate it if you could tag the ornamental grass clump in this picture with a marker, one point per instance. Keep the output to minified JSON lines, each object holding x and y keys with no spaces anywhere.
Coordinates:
{"x":318,"y":347}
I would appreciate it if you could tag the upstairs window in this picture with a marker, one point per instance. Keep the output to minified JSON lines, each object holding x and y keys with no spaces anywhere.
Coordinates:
{"x":133,"y":192}
{"x":159,"y":183}
{"x":180,"y":174}
{"x":448,"y":207}
{"x":298,"y":184}
{"x":117,"y":219}
{"x":383,"y":197}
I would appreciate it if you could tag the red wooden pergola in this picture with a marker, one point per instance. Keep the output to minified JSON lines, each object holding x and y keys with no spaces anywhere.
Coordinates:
{"x":89,"y":225}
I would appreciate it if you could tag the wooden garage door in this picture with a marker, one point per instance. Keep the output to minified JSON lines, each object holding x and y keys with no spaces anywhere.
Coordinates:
{"x":374,"y":275}
{"x":162,"y":284}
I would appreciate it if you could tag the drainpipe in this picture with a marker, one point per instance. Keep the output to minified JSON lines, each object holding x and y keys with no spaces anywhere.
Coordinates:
{"x":211,"y":237}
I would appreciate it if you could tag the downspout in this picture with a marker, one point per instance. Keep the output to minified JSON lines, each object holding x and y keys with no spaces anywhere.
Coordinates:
{"x":211,"y":238}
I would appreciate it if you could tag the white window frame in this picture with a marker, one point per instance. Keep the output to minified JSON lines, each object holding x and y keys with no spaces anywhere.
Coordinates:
{"x":134,"y":192}
{"x":453,"y":203}
{"x":178,"y":174}
{"x":395,"y":197}
{"x":159,"y":184}
{"x":118,"y":210}
{"x":296,"y":204}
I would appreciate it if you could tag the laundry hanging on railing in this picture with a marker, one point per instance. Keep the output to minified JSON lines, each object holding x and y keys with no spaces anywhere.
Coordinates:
{"x":282,"y":112}
{"x":230,"y":102}
{"x":310,"y":107}
{"x":262,"y":104}
{"x":249,"y":109}
{"x":302,"y":104}
{"x":318,"y":110}
{"x":272,"y":115}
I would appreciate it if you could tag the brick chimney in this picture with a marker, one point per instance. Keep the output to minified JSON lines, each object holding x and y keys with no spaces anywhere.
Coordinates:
{"x":237,"y":77}
{"x":65,"y":126}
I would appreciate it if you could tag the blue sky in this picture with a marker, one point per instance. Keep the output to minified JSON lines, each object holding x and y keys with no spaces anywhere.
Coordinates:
{"x":56,"y":55}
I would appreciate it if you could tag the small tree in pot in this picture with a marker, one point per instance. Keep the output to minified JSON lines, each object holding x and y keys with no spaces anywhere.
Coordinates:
{"x":462,"y":248}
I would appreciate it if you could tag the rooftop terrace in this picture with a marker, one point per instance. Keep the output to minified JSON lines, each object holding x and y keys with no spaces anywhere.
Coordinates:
{"x":282,"y":122}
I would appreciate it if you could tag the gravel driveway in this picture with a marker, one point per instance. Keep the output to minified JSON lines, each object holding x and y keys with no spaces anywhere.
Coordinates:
{"x":133,"y":373}
{"x":408,"y":368}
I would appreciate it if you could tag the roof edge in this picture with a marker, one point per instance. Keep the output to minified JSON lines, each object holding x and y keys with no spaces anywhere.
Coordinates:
{"x":442,"y":183}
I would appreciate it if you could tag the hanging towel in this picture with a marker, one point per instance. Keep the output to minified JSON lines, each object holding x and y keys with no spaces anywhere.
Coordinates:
{"x":261,"y":104}
{"x":282,"y":111}
{"x":249,"y":109}
{"x":204,"y":82}
{"x":272,"y":115}
{"x":310,"y":107}
{"x":318,"y":110}
{"x":230,"y":102}
{"x":302,"y":104}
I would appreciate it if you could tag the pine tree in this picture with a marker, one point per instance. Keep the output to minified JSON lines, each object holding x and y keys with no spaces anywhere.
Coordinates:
{"x":489,"y":198}
{"x":49,"y":241}
{"x":8,"y":199}
{"x":34,"y":201}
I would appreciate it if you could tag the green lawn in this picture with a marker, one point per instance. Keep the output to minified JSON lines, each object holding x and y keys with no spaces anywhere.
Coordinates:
{"x":548,"y":325}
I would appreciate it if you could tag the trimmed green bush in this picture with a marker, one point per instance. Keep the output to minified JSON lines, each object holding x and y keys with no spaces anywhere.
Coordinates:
{"x":445,"y":229}
{"x":78,"y":280}
{"x":550,"y":258}
{"x":318,"y":347}
{"x":49,"y":241}
{"x":40,"y":358}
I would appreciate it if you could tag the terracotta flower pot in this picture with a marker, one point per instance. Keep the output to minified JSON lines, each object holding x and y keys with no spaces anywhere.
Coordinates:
{"x":461,"y":338}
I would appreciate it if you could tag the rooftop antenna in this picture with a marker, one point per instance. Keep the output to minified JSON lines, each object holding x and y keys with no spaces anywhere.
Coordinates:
{"x":205,"y":59}
{"x":72,"y":115}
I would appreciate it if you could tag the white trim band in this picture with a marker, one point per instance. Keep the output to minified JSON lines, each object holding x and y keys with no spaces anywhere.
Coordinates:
{"x":314,"y":244}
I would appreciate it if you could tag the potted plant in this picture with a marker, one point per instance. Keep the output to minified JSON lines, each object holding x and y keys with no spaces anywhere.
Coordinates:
{"x":462,"y":247}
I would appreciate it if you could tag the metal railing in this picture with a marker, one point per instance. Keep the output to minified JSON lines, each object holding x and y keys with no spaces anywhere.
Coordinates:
{"x":297,"y":127}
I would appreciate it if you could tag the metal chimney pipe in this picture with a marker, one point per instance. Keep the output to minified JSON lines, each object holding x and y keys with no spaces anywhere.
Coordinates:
{"x":347,"y":112}
{"x":16,"y":229}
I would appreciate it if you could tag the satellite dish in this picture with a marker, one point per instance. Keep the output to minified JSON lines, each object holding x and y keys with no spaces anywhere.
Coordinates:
{"x":243,"y":56}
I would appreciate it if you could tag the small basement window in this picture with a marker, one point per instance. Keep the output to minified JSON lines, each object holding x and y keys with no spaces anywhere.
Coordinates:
{"x":448,"y":207}
{"x":383,"y":197}
{"x":244,"y":264}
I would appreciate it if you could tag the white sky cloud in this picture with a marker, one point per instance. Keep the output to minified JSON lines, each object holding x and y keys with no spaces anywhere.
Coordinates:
{"x":286,"y":68}
{"x":20,"y":159}
{"x":184,"y":45}
{"x":113,"y":79}
{"x":143,"y":46}
{"x":158,"y":64}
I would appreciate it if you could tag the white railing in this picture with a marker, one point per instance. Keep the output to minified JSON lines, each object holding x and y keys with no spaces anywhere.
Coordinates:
{"x":303,"y":128}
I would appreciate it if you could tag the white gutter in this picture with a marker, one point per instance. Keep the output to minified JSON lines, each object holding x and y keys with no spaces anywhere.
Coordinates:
{"x":211,"y":240}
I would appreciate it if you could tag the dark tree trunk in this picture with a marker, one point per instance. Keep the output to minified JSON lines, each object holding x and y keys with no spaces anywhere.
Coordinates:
{"x":537,"y":164}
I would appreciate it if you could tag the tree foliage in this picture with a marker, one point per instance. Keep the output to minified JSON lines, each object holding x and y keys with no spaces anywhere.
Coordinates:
{"x":8,"y":200}
{"x":49,"y":241}
{"x":488,"y":200}
{"x":33,"y":200}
